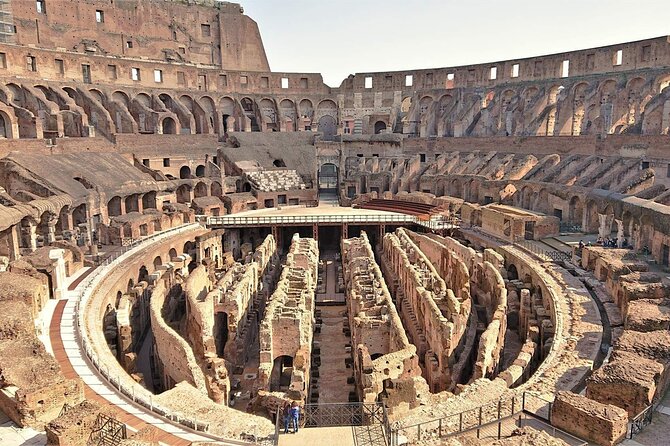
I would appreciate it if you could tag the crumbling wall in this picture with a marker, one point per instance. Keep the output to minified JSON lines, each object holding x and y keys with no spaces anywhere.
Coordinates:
{"x":174,"y":354}
{"x":605,"y":425}
{"x":432,"y":315}
{"x":377,"y":331}
{"x":286,"y":330}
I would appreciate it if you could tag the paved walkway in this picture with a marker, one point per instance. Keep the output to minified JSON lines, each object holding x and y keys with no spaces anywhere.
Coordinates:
{"x":321,"y":436}
{"x":74,"y":364}
{"x":12,"y":435}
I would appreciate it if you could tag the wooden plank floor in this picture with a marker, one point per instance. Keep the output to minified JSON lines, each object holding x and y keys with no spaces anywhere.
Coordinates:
{"x":69,"y":372}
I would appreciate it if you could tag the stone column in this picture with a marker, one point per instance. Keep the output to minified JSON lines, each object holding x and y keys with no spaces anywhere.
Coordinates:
{"x":59,"y":273}
{"x":29,"y":235}
{"x":619,"y":233}
{"x":605,"y":227}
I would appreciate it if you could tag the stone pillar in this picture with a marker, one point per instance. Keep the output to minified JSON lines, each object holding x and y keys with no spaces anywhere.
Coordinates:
{"x":29,"y":235}
{"x":51,"y":232}
{"x":605,"y":226}
{"x":619,"y":233}
{"x":58,"y":272}
{"x":13,"y":243}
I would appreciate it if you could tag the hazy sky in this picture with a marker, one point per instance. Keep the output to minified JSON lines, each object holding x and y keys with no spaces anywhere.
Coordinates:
{"x":342,"y":37}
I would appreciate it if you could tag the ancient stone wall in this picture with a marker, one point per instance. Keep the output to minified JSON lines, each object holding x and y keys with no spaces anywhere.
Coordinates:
{"x":177,"y":360}
{"x":382,"y":348}
{"x":286,"y":330}
{"x":434,"y":318}
{"x":605,"y":425}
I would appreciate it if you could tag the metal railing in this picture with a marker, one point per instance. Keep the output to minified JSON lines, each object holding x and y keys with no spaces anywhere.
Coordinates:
{"x":548,"y":255}
{"x":490,"y":416}
{"x":466,"y":421}
{"x":640,"y":421}
{"x":439,"y":222}
{"x":136,"y":393}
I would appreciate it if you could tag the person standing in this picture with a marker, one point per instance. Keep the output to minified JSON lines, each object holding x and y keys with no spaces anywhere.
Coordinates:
{"x":295,"y":416}
{"x":286,"y":413}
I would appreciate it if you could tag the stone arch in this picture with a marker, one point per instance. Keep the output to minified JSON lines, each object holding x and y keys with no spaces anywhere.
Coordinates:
{"x":216,"y":190}
{"x":200,"y":171}
{"x":380,"y":127}
{"x":169,"y":126}
{"x":5,"y":126}
{"x":114,"y":206}
{"x":143,"y":99}
{"x":158,"y":262}
{"x":269,"y":114}
{"x":172,"y":254}
{"x":575,"y":211}
{"x":184,"y":193}
{"x":184,"y":172}
{"x":149,"y":200}
{"x":97,"y":94}
{"x":200,"y":190}
{"x":132,"y":203}
{"x":143,"y":274}
{"x":328,"y":127}
{"x":306,"y":108}
{"x":227,"y":112}
{"x":122,"y":97}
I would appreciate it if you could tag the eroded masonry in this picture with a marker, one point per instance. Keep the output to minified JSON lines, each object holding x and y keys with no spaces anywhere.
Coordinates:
{"x":190,"y":241}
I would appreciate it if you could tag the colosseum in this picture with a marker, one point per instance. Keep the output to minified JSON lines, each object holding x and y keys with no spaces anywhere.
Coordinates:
{"x":469,"y":255}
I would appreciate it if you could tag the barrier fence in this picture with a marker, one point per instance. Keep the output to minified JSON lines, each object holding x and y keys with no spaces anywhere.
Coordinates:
{"x":435,"y":223}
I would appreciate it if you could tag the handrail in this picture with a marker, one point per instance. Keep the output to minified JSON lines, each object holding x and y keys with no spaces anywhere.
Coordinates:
{"x":436,"y":222}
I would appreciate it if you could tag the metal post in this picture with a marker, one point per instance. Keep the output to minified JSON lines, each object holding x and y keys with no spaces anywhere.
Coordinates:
{"x":480,"y":420}
{"x":499,"y":422}
{"x":460,"y":422}
{"x":439,"y":428}
{"x":418,"y":430}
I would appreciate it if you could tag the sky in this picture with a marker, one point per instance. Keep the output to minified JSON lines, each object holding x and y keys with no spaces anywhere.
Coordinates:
{"x":341,"y":37}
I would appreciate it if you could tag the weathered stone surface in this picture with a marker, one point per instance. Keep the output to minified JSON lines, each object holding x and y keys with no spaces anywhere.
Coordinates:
{"x":605,"y":425}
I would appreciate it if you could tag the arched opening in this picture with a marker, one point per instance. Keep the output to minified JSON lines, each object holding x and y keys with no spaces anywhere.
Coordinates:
{"x":79,"y":215}
{"x":627,"y":221}
{"x":157,"y":262}
{"x":143,"y":274}
{"x":172,"y":254}
{"x":149,"y":200}
{"x":185,"y":172}
{"x":328,"y":127}
{"x":200,"y":171}
{"x":221,"y":332}
{"x":279,"y":163}
{"x":380,"y":126}
{"x":5,"y":126}
{"x":216,"y":190}
{"x":114,"y":207}
{"x":184,"y":194}
{"x":132,"y":203}
{"x":328,"y":179}
{"x":646,"y":233}
{"x":169,"y":126}
{"x":280,"y":379}
{"x":200,"y":190}
{"x":512,"y":273}
{"x":129,"y":287}
{"x":576,"y":211}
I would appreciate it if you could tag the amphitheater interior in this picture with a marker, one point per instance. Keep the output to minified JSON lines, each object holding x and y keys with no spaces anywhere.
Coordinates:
{"x":191,"y":242}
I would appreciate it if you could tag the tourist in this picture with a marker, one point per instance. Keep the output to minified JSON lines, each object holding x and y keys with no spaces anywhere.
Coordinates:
{"x":295,"y":415}
{"x":286,"y":413}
